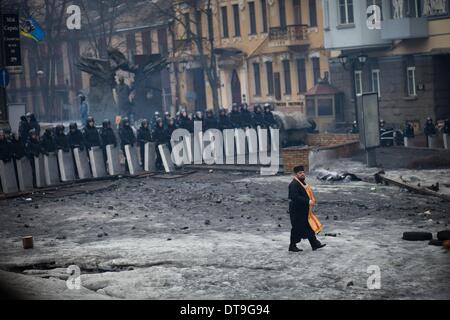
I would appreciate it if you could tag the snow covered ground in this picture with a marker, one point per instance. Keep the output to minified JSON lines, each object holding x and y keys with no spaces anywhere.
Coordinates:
{"x":223,"y":236}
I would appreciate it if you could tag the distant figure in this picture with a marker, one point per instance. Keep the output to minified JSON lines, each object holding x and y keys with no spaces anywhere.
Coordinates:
{"x":144,"y":135}
{"x":224,"y":120}
{"x":123,"y":96}
{"x":235,"y":116}
{"x":61,"y":140}
{"x":75,"y":137}
{"x":246,"y":117}
{"x":6,"y":152}
{"x":24,"y":129}
{"x":84,"y":109}
{"x":33,"y":123}
{"x":430,"y":132}
{"x":355,"y":128}
{"x":210,"y":120}
{"x":48,"y":142}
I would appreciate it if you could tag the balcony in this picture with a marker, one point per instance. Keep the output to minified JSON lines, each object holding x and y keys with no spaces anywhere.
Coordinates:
{"x":404,"y":28}
{"x":294,"y":35}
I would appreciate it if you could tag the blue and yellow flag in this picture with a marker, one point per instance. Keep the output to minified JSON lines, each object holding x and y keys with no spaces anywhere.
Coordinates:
{"x":31,"y":29}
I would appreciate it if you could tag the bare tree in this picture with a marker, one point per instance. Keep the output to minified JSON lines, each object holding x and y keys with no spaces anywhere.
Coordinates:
{"x":192,"y":37}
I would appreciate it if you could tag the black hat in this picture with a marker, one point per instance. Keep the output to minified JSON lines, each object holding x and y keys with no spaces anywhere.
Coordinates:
{"x":298,"y":169}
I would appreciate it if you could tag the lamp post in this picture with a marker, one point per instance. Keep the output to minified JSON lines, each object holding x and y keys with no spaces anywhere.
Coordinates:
{"x":352,"y":63}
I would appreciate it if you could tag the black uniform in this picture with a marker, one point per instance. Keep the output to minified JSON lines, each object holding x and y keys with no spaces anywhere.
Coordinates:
{"x":246,"y":118}
{"x":210,"y":122}
{"x":6,"y":150}
{"x":269,"y":119}
{"x":160,"y":137}
{"x":33,"y":148}
{"x":144,"y":135}
{"x":235,"y":118}
{"x":430,"y":128}
{"x":47,"y":142}
{"x":61,"y":140}
{"x":24,"y":129}
{"x":186,"y":123}
{"x":409,"y":131}
{"x":224,"y":121}
{"x":34,"y":124}
{"x":91,"y":136}
{"x":18,"y":148}
{"x":108,"y":136}
{"x":126,"y":135}
{"x":258,"y":118}
{"x":75,"y":138}
{"x":299,"y":210}
{"x":446,"y":128}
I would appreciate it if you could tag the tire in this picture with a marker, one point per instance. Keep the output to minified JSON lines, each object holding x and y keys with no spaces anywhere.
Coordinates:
{"x":436,"y":243}
{"x":443,"y":235}
{"x":417,"y":236}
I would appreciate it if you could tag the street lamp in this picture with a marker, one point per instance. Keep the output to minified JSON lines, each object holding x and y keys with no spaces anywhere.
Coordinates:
{"x":354,"y":62}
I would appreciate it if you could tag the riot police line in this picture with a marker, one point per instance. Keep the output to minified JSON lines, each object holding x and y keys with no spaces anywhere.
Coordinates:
{"x":390,"y":136}
{"x":30,"y":160}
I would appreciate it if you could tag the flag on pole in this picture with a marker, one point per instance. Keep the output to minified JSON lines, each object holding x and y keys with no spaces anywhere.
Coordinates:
{"x":31,"y":29}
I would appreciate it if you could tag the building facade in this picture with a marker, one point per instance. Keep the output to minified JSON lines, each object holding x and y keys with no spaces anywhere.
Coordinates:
{"x":266,"y":50}
{"x":136,"y":34}
{"x":406,"y":61}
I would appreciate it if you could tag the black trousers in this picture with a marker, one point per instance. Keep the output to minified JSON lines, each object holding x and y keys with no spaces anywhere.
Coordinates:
{"x":311,"y":238}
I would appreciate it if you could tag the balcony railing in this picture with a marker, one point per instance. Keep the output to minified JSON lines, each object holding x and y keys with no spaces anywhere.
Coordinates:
{"x":289,"y":35}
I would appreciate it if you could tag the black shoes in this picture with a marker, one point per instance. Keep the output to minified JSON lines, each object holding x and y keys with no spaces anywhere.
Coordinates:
{"x":293,"y":248}
{"x":318,"y":247}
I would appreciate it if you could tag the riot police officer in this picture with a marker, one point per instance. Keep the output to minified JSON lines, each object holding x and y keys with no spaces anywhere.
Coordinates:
{"x":144,"y":135}
{"x":246,"y":116}
{"x":107,"y":135}
{"x":235,"y":116}
{"x":91,"y":135}
{"x":269,"y":118}
{"x":75,"y":137}
{"x":224,"y":120}
{"x":210,"y":121}
{"x":47,"y":142}
{"x":258,"y":117}
{"x":126,"y":134}
{"x":61,"y":140}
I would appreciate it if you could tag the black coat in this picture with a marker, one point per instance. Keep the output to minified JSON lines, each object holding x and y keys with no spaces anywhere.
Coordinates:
{"x":48,"y":144}
{"x":76,"y":139}
{"x":269,"y":119}
{"x":246,"y":119}
{"x":24,"y":129}
{"x":160,"y":135}
{"x":6,"y":150}
{"x":144,"y":135}
{"x":186,"y":123}
{"x":235,"y":118}
{"x":210,"y":123}
{"x":33,"y":148}
{"x":62,"y":142}
{"x":91,"y":137}
{"x":127,"y":136}
{"x":108,"y":137}
{"x":258,"y":119}
{"x":225,"y":123}
{"x":299,"y":210}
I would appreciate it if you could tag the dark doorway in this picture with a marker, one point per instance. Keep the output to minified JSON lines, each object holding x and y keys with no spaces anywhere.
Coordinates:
{"x":199,"y":88}
{"x":277,"y":83}
{"x":236,"y":88}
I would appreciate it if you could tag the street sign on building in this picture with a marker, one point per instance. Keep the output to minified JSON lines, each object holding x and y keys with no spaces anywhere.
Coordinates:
{"x":10,"y":28}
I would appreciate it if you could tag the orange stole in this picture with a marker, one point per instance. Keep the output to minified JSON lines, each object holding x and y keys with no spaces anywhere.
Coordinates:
{"x":313,"y":221}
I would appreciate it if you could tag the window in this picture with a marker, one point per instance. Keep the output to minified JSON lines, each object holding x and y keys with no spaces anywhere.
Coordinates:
{"x":378,"y":3}
{"x":264,"y":15}
{"x":297,"y":12}
{"x":282,"y":13}
{"x":198,"y":23}
{"x":224,"y":22}
{"x":312,"y":13}
{"x":326,"y":15}
{"x":408,"y":8}
{"x":162,"y":41}
{"x":376,"y":82}
{"x":257,"y":79}
{"x":269,"y":71}
{"x":187,"y":25}
{"x":147,"y":42}
{"x":301,"y":75}
{"x":358,"y":83}
{"x":252,"y":16}
{"x":346,"y":12}
{"x":316,"y":69}
{"x":287,"y":77}
{"x":210,"y":24}
{"x":310,"y":107}
{"x":237,"y":22}
{"x":411,"y":78}
{"x":325,"y":107}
